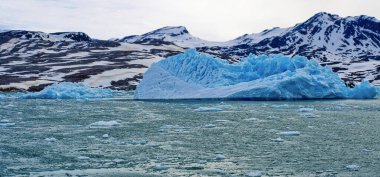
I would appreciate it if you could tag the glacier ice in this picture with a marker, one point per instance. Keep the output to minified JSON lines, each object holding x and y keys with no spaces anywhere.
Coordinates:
{"x":68,"y":90}
{"x":193,"y":75}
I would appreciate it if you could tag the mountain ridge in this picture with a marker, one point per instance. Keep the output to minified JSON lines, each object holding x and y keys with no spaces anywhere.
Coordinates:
{"x":30,"y":60}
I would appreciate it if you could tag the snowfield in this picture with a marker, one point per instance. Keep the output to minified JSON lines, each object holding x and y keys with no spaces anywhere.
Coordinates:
{"x":194,"y":75}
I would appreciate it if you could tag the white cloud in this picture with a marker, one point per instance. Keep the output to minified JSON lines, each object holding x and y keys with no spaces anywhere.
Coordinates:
{"x":209,"y":19}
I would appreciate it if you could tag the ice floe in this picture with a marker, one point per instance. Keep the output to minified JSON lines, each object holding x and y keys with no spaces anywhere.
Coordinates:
{"x":220,"y":157}
{"x":306,"y":110}
{"x":278,"y":140}
{"x":353,"y":167}
{"x":160,"y":167}
{"x":208,"y":109}
{"x":254,"y":174}
{"x":289,"y":133}
{"x":105,"y":136}
{"x":68,"y":90}
{"x":105,"y":124}
{"x":51,"y":139}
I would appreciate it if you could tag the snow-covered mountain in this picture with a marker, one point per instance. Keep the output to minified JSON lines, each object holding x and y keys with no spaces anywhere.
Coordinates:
{"x":31,"y":60}
{"x":350,"y":46}
{"x":177,"y":35}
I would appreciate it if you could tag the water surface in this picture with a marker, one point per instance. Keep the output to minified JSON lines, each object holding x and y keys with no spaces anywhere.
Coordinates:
{"x":121,"y":137}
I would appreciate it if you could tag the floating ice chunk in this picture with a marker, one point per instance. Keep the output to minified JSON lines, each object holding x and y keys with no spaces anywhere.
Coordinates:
{"x":353,"y":167}
{"x":222,"y":121}
{"x":290,"y":133}
{"x":280,"y":106}
{"x":209,"y":126}
{"x":202,"y":161}
{"x":118,"y":160}
{"x":105,"y":136}
{"x":220,"y":157}
{"x":208,"y":109}
{"x":171,"y":127}
{"x":91,"y":137}
{"x":6,"y":123}
{"x":160,"y":167}
{"x":83,"y":157}
{"x":253,"y":174}
{"x":306,"y":110}
{"x":67,"y":90}
{"x":104,"y":124}
{"x":194,"y":75}
{"x":51,"y":139}
{"x":138,"y":142}
{"x":278,"y":140}
{"x":310,"y":115}
{"x":251,"y":119}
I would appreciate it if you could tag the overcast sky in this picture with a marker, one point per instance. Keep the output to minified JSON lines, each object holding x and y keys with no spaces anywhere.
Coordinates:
{"x":215,"y":20}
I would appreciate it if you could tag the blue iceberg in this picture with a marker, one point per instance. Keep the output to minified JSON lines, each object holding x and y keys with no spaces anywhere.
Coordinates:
{"x":68,"y":90}
{"x":194,"y":75}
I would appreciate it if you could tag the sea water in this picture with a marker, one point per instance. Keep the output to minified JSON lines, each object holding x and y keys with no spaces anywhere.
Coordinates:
{"x":123,"y":137}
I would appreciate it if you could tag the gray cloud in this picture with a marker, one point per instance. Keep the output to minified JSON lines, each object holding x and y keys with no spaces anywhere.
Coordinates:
{"x":216,"y":20}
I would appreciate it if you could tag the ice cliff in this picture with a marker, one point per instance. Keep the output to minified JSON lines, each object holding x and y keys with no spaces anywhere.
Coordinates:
{"x":193,"y":75}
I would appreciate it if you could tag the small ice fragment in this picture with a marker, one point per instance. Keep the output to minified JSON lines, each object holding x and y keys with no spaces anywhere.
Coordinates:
{"x":7,"y":124}
{"x":138,"y":142}
{"x":91,"y":137}
{"x":253,"y":174}
{"x":5,"y":121}
{"x":210,"y":126}
{"x":280,"y":106}
{"x":207,"y":109}
{"x":278,"y":140}
{"x":52,"y":139}
{"x":251,"y":119}
{"x":117,"y":160}
{"x":220,"y":157}
{"x":105,"y":136}
{"x":160,"y":167}
{"x":306,"y":110}
{"x":83,"y":158}
{"x":353,"y":167}
{"x":221,"y":121}
{"x":102,"y":124}
{"x":202,"y":161}
{"x":310,"y":115}
{"x":290,"y":133}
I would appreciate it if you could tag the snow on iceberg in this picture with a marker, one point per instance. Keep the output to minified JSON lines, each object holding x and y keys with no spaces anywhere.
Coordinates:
{"x":195,"y":75}
{"x":68,"y":90}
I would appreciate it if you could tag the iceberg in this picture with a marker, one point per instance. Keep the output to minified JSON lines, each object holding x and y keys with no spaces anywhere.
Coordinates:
{"x":194,"y":75}
{"x":68,"y":90}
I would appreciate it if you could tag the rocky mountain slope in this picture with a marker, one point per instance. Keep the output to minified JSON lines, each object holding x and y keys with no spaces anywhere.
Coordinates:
{"x":30,"y":60}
